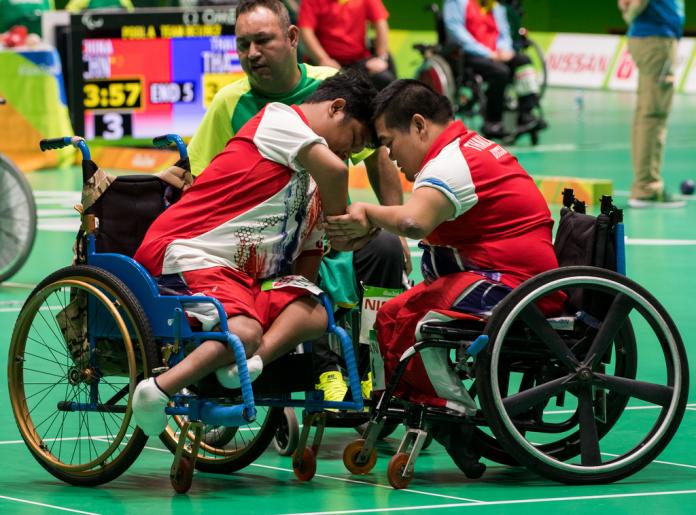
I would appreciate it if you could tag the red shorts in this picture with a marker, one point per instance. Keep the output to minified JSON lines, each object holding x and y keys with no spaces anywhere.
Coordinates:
{"x":242,"y":295}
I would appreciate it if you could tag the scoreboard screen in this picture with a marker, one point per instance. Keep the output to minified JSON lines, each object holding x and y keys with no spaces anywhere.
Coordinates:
{"x":150,"y":72}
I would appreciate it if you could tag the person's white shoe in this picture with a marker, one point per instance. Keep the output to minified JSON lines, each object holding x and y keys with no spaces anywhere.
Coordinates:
{"x":229,"y":376}
{"x":149,"y":402}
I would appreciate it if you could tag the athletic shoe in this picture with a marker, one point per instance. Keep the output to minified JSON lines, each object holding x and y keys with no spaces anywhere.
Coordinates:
{"x":229,"y":376}
{"x":493,"y":130}
{"x":149,"y":402}
{"x":366,"y":386}
{"x":333,"y":385}
{"x":660,"y":200}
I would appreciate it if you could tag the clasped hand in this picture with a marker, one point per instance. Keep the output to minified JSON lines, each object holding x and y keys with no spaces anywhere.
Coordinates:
{"x":352,"y":230}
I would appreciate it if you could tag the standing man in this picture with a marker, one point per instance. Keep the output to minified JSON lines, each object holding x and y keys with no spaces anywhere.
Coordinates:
{"x":655,"y":27}
{"x":267,"y":49}
{"x":480,"y":29}
{"x":333,"y":33}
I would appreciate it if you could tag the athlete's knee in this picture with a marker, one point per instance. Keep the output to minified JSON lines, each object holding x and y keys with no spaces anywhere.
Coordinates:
{"x":248,"y":330}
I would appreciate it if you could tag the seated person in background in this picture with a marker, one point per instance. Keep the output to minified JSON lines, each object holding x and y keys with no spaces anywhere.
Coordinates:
{"x":254,"y":214}
{"x":480,"y":29}
{"x":333,"y":34}
{"x":484,"y":226}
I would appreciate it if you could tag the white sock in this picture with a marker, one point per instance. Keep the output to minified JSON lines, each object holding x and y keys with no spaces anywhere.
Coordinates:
{"x":229,"y":376}
{"x":149,"y":402}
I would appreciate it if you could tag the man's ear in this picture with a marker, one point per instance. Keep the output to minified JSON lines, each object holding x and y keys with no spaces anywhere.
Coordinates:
{"x":420,"y":124}
{"x":294,"y":36}
{"x":337,"y":106}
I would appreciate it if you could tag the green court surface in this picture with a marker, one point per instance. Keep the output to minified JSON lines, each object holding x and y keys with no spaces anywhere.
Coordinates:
{"x":592,"y":141}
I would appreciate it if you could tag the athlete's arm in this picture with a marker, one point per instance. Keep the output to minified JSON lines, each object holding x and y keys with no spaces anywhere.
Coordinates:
{"x":330,"y":174}
{"x":307,"y":265}
{"x":419,"y":216}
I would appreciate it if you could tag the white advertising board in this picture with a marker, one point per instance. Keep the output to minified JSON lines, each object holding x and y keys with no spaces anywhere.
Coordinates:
{"x":580,"y":60}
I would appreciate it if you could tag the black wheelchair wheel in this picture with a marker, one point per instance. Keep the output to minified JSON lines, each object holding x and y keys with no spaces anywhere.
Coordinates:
{"x":240,"y":447}
{"x":287,"y":435}
{"x":17,"y":219}
{"x":437,"y":73}
{"x":536,"y":54}
{"x":595,"y":368}
{"x":568,"y":446}
{"x":81,"y":341}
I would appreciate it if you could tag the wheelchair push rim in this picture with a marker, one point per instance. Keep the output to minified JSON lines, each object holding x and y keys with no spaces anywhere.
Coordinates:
{"x":584,"y":377}
{"x":17,"y":219}
{"x":72,"y":411}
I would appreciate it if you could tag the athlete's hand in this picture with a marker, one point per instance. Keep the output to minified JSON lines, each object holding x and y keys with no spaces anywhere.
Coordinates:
{"x":354,"y":224}
{"x":376,"y":65}
{"x":177,"y":177}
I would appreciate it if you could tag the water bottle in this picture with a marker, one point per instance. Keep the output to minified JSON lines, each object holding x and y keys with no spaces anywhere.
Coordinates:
{"x":580,"y":99}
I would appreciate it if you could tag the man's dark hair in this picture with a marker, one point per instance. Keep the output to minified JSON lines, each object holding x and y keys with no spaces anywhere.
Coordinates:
{"x":358,"y":92}
{"x":275,"y":6}
{"x":401,"y":99}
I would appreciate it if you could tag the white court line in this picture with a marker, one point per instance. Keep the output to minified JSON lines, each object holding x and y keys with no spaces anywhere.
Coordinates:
{"x":18,"y":285}
{"x":367,"y":483}
{"x":45,"y":308}
{"x":43,"y":505}
{"x":340,"y":479}
{"x":499,"y":503}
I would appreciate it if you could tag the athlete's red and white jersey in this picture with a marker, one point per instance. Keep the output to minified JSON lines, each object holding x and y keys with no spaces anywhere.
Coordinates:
{"x":253,"y":209}
{"x":501,"y":227}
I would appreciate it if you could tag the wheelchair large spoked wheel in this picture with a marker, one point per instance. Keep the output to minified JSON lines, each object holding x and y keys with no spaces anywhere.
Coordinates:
{"x":641,"y":398}
{"x":226,"y":449}
{"x":437,"y":73}
{"x":531,"y":373}
{"x":79,"y":347}
{"x":17,"y":219}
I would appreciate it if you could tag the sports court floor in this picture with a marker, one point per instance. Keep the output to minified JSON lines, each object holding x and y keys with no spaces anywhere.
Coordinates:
{"x":588,"y":142}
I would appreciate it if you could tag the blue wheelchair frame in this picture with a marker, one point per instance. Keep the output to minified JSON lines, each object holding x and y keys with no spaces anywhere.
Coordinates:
{"x":169,"y":325}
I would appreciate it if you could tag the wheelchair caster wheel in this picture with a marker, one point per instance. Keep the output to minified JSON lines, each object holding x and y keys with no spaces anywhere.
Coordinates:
{"x":475,"y":470}
{"x":535,"y":138}
{"x":395,"y":471}
{"x":427,"y":442}
{"x":350,"y":456}
{"x":305,"y":468}
{"x":181,"y":481}
{"x":288,"y":433}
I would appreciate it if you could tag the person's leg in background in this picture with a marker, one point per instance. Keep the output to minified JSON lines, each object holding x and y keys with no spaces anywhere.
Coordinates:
{"x":497,"y":76}
{"x":655,"y":59}
{"x":527,"y":89}
{"x":380,"y":263}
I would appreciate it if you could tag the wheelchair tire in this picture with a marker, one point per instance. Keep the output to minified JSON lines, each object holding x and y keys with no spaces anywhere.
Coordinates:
{"x":288,"y":433}
{"x":17,"y":219}
{"x":581,"y":365}
{"x":437,"y":73}
{"x":244,"y":446}
{"x":569,"y":446}
{"x":47,"y":374}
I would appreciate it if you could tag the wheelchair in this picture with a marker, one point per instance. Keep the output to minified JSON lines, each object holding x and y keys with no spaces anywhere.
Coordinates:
{"x":549,"y":393}
{"x":88,"y":333}
{"x":17,"y":218}
{"x":444,"y":69}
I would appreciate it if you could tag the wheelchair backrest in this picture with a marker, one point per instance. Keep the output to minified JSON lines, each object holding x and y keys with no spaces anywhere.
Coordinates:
{"x":586,"y":240}
{"x":126,"y":210}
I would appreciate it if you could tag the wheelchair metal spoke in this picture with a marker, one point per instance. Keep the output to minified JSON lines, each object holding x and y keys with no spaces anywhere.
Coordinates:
{"x":648,"y":392}
{"x":613,"y":322}
{"x":523,"y":401}
{"x":589,"y":439}
{"x":536,"y":321}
